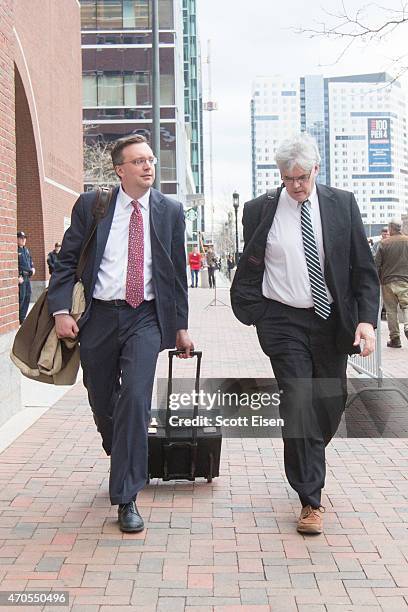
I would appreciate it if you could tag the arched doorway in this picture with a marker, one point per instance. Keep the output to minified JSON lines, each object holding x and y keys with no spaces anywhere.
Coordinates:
{"x":29,"y":200}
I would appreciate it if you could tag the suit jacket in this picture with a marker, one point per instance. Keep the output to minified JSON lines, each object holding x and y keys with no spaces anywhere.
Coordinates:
{"x":349,"y":271}
{"x":167,"y":229}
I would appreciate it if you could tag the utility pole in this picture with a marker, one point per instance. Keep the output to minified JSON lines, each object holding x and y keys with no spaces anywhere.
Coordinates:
{"x":156,"y":89}
{"x":210,"y":106}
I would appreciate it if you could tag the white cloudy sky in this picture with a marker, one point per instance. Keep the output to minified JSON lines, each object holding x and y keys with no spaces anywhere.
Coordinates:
{"x":257,"y":37}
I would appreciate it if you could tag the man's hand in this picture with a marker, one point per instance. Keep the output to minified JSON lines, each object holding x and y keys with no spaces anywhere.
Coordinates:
{"x":32,"y":271}
{"x":184,"y":343}
{"x":365,"y":331}
{"x":20,"y":280}
{"x":65,"y":326}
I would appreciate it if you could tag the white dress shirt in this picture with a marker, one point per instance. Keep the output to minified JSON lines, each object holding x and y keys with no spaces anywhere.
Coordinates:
{"x":286,"y":278}
{"x":111,"y":280}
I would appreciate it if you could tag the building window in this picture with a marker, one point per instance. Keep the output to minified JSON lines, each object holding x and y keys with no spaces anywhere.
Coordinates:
{"x":167,"y":89}
{"x":124,"y":14}
{"x":89,"y":91}
{"x":88,"y":14}
{"x":136,"y":14}
{"x":136,"y":89}
{"x":166,"y":14}
{"x":109,"y":90}
{"x":109,"y":14}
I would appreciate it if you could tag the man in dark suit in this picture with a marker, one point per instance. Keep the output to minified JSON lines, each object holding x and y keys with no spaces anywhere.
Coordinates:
{"x":25,"y":272}
{"x":136,"y":305}
{"x":308,"y":282}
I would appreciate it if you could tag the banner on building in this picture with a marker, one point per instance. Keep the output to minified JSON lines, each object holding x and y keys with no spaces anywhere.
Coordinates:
{"x":379,"y":145}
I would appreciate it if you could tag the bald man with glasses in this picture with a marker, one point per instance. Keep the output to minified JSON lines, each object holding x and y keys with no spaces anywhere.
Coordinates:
{"x":308,"y":282}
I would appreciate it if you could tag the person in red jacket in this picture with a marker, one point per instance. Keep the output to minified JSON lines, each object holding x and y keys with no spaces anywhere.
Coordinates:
{"x":194,"y":261}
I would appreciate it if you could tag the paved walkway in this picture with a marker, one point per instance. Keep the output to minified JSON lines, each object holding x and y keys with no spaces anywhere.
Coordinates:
{"x":229,"y":545}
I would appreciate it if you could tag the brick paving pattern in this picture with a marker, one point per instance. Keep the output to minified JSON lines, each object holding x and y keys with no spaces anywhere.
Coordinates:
{"x":225,"y":546}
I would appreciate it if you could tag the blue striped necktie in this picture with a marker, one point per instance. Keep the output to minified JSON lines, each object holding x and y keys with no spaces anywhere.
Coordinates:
{"x":317,"y":284}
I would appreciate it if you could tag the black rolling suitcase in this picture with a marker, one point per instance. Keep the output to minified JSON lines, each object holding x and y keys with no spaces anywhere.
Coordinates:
{"x":184,"y":453}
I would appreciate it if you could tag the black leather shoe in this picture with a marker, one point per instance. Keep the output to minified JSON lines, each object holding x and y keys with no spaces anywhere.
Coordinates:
{"x":129,"y":518}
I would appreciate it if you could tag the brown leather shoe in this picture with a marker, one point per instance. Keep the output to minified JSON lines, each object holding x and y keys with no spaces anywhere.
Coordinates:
{"x":311,"y":520}
{"x":394,"y":343}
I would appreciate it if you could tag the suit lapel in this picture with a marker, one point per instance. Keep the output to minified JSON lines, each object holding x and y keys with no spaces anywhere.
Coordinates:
{"x":157,"y":218}
{"x":329,"y":217}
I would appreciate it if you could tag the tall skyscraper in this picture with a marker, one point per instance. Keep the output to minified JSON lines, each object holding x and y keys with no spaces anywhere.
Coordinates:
{"x":312,"y":116}
{"x":193,"y":98}
{"x":193,"y":110}
{"x":359,"y":122}
{"x":367,"y":126}
{"x":117,"y":84}
{"x":275,"y":113}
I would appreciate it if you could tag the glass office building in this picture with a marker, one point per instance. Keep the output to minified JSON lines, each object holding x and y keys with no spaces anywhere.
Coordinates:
{"x":193,"y":104}
{"x":360,"y":125}
{"x":117,"y":82}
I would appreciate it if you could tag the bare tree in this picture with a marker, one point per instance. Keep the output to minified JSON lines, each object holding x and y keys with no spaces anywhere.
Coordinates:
{"x":371,"y":23}
{"x":98,"y":168}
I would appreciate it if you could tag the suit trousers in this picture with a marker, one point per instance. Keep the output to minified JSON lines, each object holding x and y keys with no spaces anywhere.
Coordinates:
{"x":395,"y":294}
{"x":24,"y":296}
{"x":211,"y":276}
{"x":311,"y":374}
{"x":119,"y":346}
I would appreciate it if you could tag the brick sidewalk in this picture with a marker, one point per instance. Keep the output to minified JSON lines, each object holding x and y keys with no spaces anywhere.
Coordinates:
{"x":229,"y":545}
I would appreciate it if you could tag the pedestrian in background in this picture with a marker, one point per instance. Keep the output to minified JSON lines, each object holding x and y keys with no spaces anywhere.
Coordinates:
{"x":25,"y":272}
{"x":194,"y":261}
{"x":384,"y":235}
{"x":52,"y":257}
{"x":392,"y":264}
{"x":230,"y":265}
{"x":211,"y":260}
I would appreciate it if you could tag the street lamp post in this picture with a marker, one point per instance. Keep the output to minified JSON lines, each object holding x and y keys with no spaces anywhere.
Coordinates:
{"x":235,"y":202}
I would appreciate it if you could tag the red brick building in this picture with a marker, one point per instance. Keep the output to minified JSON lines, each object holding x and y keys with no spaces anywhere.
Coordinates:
{"x":40,"y":149}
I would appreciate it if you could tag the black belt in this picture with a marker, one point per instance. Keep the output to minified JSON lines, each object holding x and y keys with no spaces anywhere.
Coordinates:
{"x":311,"y":309}
{"x":111,"y":302}
{"x":116,"y":302}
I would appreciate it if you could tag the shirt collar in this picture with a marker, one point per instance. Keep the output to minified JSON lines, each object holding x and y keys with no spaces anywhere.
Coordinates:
{"x":126,"y":200}
{"x":312,"y":198}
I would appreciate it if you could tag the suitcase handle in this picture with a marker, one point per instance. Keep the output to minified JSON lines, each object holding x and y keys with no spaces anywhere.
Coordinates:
{"x":175,"y":352}
{"x":172,"y":354}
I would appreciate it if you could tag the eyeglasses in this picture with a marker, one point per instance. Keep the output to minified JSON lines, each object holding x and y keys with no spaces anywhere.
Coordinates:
{"x":152,"y":161}
{"x":297,"y":179}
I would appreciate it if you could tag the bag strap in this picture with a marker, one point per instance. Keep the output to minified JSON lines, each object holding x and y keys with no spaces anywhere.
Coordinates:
{"x":103,"y":197}
{"x":271,"y":194}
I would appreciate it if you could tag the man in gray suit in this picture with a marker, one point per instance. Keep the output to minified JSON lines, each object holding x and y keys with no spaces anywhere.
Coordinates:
{"x":307,"y":281}
{"x":136,"y":305}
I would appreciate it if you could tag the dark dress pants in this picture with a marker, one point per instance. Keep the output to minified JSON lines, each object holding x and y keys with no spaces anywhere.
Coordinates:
{"x":119,"y":348}
{"x":211,"y":276}
{"x":24,"y":295}
{"x":311,"y":374}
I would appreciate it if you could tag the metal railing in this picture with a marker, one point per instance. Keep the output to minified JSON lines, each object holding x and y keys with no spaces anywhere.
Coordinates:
{"x":371,"y":367}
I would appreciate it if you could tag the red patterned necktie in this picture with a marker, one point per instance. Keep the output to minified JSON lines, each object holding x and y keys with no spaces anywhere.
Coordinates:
{"x":135,"y":275}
